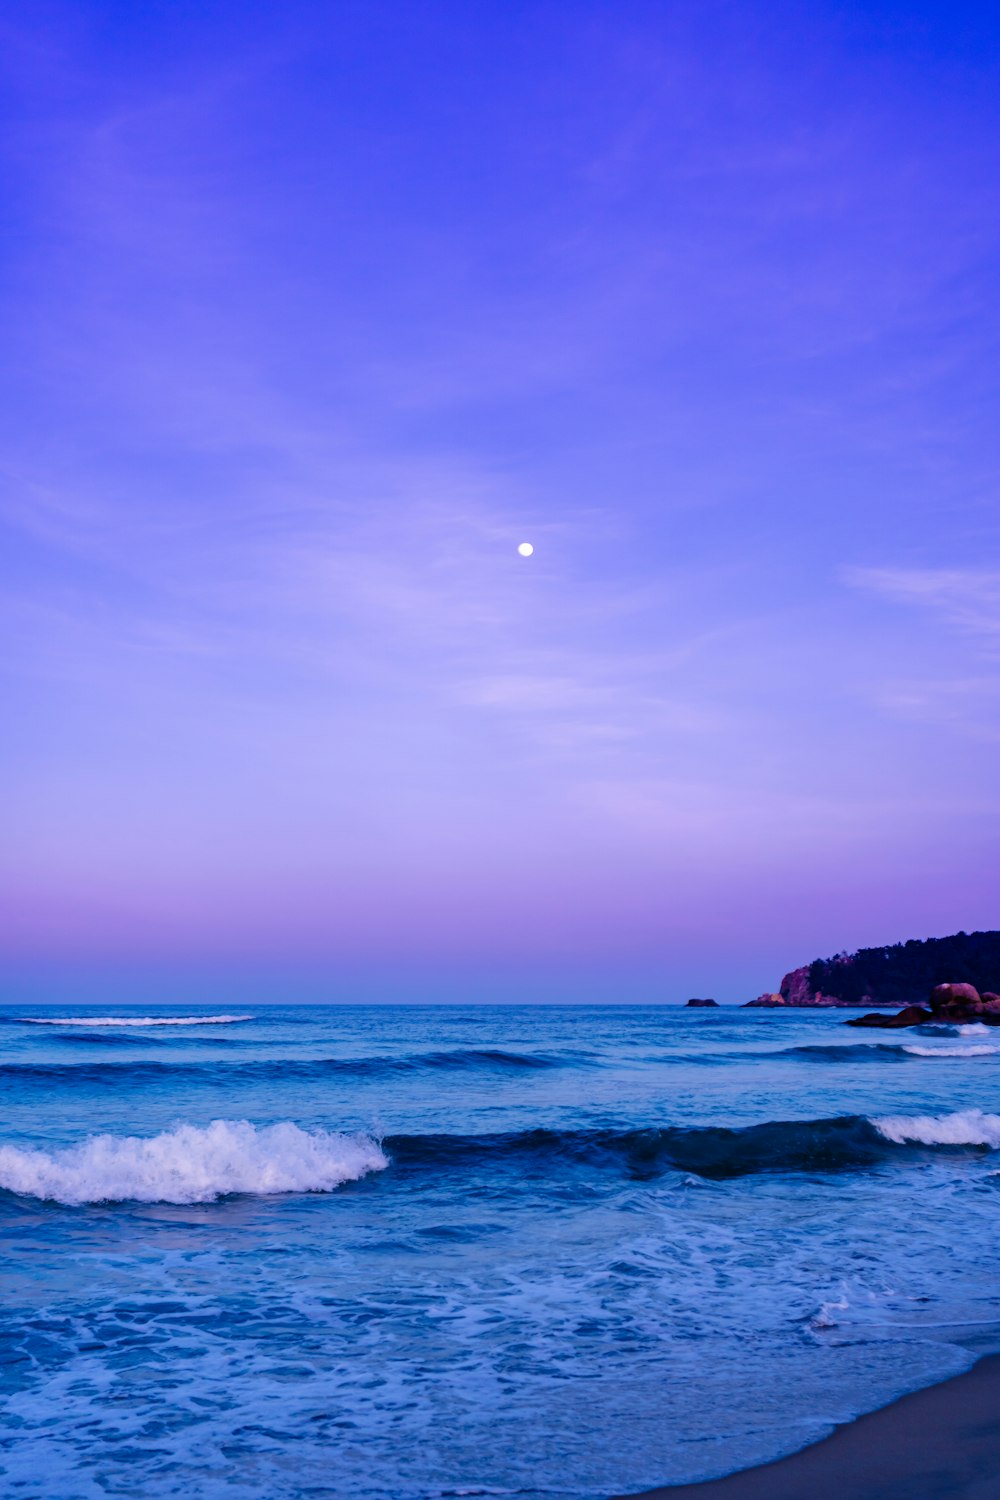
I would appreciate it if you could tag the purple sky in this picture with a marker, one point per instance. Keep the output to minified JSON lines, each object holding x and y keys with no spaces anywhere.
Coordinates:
{"x":313,"y":312}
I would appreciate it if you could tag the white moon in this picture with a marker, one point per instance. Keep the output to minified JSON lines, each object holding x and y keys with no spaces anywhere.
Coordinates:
{"x":525,"y":549}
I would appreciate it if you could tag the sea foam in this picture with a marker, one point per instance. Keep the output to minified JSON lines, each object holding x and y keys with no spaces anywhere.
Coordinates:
{"x":131,"y":1020}
{"x":967,"y":1028}
{"x":967,"y":1127}
{"x":975,"y":1051}
{"x":191,"y":1164}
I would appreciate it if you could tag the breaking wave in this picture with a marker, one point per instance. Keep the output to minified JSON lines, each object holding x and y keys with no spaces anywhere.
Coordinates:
{"x":839,"y":1144}
{"x":191,"y":1164}
{"x":967,"y":1127}
{"x":967,"y":1028}
{"x":853,"y":1052}
{"x":130,"y":1020}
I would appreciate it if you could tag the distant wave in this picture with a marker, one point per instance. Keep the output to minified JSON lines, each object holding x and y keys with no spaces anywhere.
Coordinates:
{"x":969,"y":1028}
{"x":844,"y":1052}
{"x":917,"y":1051}
{"x":967,"y":1127}
{"x":459,"y":1057}
{"x":268,"y":1069}
{"x":847,"y":1052}
{"x":122,"y":1037}
{"x":190,"y":1164}
{"x":130,"y":1020}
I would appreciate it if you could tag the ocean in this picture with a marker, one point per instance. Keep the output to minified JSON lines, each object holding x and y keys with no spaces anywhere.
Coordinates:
{"x":416,"y":1252}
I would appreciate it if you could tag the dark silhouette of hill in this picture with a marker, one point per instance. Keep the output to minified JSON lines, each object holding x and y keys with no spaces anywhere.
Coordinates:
{"x":897,"y":975}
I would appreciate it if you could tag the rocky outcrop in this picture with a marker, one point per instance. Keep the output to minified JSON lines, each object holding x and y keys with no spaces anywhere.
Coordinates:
{"x":949,"y":1002}
{"x":946,"y":998}
{"x":703,"y":1003}
{"x":796,"y":989}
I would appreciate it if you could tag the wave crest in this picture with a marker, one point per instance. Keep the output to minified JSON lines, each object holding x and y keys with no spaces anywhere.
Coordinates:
{"x":843,"y":1143}
{"x":191,"y":1164}
{"x":131,"y":1020}
{"x":975,"y":1051}
{"x":878,"y":1052}
{"x":967,"y":1127}
{"x":265,"y":1069}
{"x":714,"y":1152}
{"x":843,"y":1052}
{"x":954,"y":1028}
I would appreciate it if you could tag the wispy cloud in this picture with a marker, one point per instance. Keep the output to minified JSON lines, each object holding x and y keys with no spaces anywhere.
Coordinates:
{"x":965,"y":601}
{"x":966,"y":597}
{"x":423,"y":603}
{"x":970,"y":706}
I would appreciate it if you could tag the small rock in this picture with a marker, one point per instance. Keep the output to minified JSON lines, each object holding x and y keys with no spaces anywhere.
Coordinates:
{"x":703,"y":1003}
{"x":911,"y":1015}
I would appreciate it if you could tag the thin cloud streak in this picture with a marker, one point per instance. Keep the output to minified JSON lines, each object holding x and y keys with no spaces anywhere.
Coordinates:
{"x":967,"y":597}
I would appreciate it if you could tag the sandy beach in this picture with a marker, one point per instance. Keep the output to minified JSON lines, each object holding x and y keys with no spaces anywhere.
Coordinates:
{"x":942,"y":1443}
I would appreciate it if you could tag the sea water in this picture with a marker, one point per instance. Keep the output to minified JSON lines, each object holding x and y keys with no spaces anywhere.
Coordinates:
{"x":420,"y":1252}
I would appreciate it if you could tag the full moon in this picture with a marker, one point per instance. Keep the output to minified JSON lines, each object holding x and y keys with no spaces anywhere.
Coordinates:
{"x":525,"y":549}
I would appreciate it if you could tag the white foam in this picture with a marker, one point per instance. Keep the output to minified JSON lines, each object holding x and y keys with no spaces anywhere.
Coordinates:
{"x":971,"y":1028}
{"x":825,"y":1317}
{"x":952,"y":1051}
{"x":132,"y":1020}
{"x":967,"y":1127}
{"x":191,"y":1164}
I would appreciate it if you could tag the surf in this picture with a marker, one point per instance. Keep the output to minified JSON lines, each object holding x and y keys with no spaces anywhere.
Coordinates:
{"x":191,"y":1164}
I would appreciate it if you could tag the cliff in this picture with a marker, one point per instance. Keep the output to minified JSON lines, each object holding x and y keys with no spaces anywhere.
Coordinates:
{"x":896,"y":975}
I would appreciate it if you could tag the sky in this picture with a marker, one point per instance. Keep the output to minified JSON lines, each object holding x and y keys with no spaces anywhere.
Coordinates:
{"x":313,"y":312}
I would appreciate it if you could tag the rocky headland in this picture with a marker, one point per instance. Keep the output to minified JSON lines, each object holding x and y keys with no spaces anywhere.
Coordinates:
{"x":892,"y":976}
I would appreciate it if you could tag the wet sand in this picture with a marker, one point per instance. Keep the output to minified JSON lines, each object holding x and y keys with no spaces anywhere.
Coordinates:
{"x":942,"y":1443}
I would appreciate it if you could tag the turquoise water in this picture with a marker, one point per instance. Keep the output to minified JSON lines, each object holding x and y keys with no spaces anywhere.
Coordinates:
{"x":432,"y":1251}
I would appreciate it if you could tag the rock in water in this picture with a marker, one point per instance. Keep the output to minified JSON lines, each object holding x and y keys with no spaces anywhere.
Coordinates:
{"x":949,"y":1002}
{"x":910,"y":1015}
{"x":703,"y":1003}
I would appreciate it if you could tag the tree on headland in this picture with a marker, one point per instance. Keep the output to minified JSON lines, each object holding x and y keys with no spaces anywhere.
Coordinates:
{"x":897,"y":974}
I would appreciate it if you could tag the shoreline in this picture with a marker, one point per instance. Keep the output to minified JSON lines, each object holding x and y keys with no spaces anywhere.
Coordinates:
{"x":939,"y":1443}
